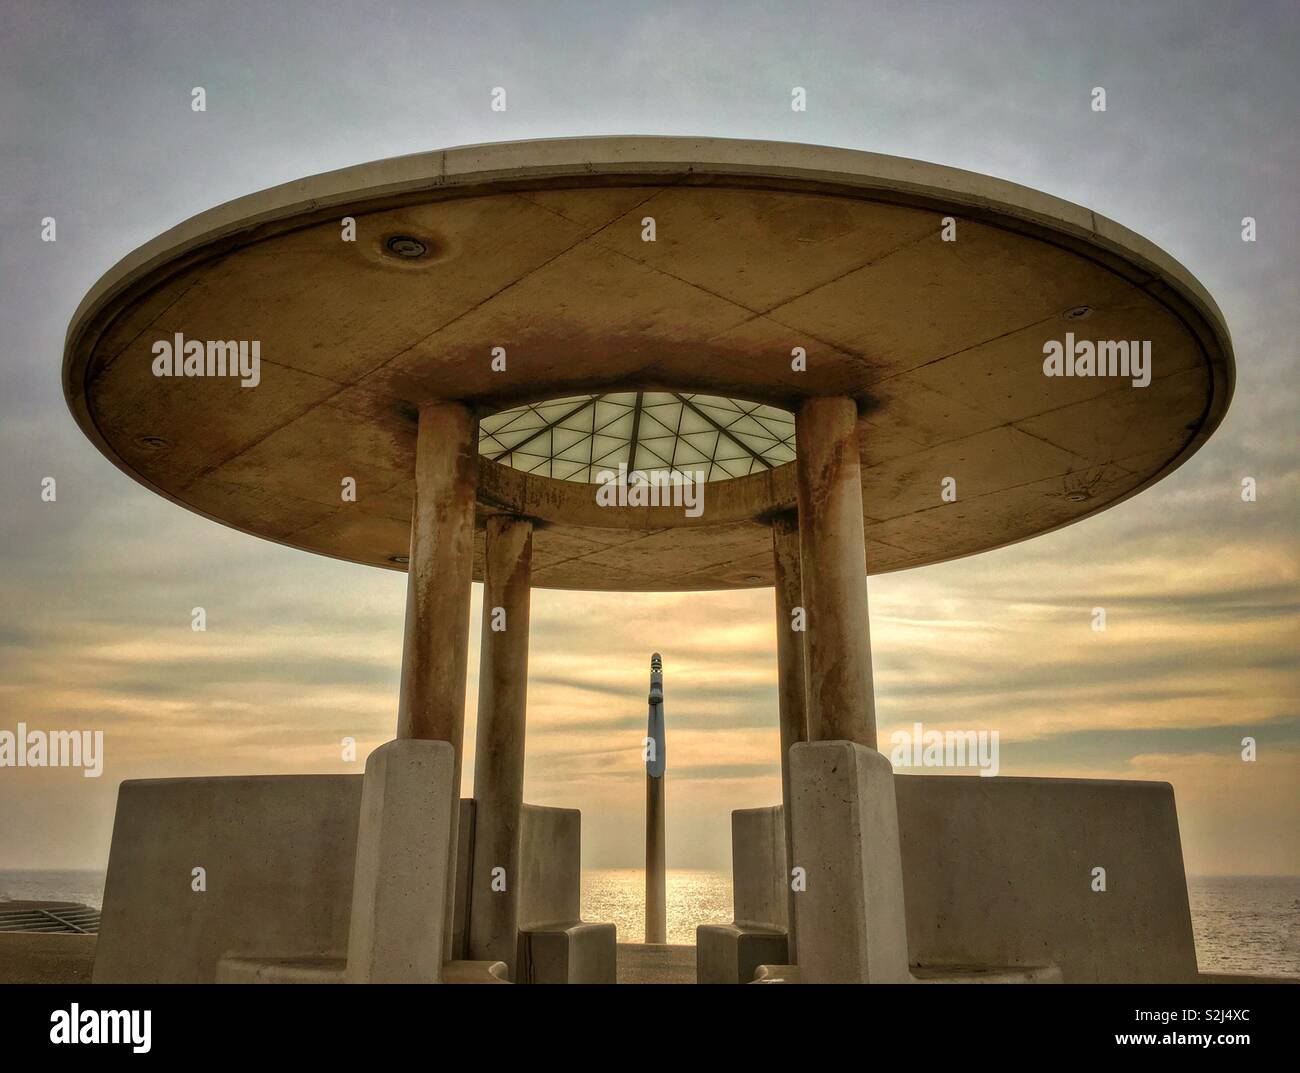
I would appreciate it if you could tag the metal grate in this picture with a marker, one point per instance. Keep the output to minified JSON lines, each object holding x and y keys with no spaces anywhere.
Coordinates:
{"x":68,"y":919}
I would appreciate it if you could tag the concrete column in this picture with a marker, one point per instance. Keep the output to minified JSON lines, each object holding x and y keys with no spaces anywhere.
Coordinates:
{"x":499,"y":750}
{"x":435,"y":648}
{"x":436,"y":645}
{"x":792,"y":679}
{"x":841,"y":706}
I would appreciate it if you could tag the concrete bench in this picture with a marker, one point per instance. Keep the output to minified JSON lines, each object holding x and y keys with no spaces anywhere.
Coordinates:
{"x":551,"y":943}
{"x":938,"y":878}
{"x":731,"y":953}
{"x":999,"y":872}
{"x":278,"y":856}
{"x":556,"y":946}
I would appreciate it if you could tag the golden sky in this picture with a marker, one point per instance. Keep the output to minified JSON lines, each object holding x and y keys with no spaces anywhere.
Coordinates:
{"x":1200,"y":588}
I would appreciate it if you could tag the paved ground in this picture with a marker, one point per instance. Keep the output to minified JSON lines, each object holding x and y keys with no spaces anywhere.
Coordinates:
{"x":36,"y":958}
{"x":642,"y":964}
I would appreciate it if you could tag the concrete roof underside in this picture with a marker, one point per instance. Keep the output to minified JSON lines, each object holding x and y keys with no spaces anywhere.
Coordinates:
{"x":760,"y":248}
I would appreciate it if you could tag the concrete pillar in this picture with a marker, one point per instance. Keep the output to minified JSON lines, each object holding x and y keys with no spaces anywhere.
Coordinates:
{"x":499,"y":750}
{"x":436,"y":645}
{"x":791,"y":665}
{"x":852,"y":921}
{"x":435,"y":648}
{"x":841,"y":705}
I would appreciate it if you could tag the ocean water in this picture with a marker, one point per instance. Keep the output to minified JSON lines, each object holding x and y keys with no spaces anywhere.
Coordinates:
{"x":1247,"y":924}
{"x":694,"y":896}
{"x":1242,"y":924}
{"x":86,"y":888}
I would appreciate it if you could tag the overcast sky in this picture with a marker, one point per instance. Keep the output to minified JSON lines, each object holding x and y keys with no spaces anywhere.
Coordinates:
{"x":1201,"y":589}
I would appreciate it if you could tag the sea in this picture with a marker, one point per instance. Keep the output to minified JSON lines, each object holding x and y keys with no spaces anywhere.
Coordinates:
{"x":1242,"y":924}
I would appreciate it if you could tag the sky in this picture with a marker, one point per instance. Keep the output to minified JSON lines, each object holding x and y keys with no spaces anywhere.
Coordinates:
{"x":1201,"y":588}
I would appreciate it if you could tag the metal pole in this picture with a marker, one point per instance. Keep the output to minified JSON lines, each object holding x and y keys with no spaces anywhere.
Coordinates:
{"x":656,"y":890}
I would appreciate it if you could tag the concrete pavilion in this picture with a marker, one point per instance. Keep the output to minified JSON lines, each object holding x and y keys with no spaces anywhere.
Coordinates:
{"x":832,"y":339}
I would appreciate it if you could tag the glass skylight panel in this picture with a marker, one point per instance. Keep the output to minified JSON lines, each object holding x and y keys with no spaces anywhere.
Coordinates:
{"x":578,"y":437}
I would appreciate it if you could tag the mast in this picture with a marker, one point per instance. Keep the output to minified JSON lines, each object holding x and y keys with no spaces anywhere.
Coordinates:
{"x":656,"y":895}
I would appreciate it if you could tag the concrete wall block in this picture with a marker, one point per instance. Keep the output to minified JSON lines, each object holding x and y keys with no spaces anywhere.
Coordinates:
{"x":276,"y":854}
{"x":550,"y":860}
{"x":403,"y":856}
{"x":850,"y":921}
{"x":1000,"y":872}
{"x":758,"y":867}
{"x":729,"y":953}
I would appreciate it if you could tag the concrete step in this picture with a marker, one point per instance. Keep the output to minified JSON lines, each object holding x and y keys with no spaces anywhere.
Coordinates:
{"x":937,"y":974}
{"x":290,"y":970}
{"x":329,"y":970}
{"x":986,"y":974}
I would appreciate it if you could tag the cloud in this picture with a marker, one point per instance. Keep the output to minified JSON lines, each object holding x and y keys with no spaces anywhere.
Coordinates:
{"x":1200,"y":589}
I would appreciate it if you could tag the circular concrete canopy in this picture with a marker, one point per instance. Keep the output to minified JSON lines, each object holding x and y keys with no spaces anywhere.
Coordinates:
{"x":776,"y":272}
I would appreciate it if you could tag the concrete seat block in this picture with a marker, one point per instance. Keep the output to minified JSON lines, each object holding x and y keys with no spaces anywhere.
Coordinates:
{"x":732,"y":953}
{"x":476,"y":972}
{"x":400,"y":887}
{"x":554,"y":945}
{"x":576,"y":953}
